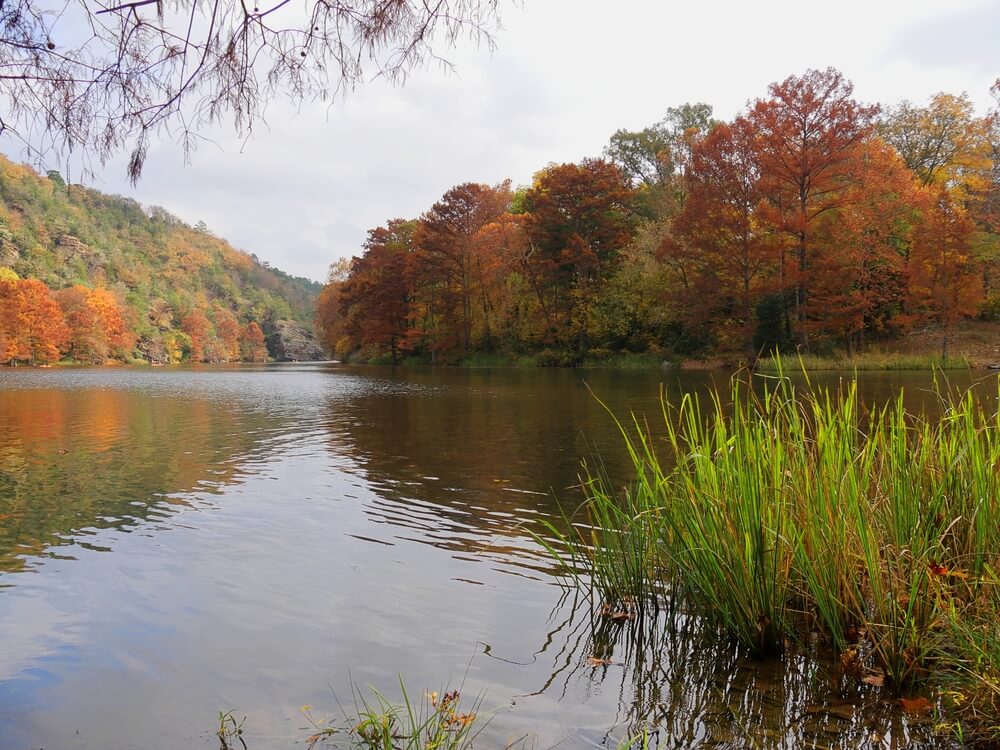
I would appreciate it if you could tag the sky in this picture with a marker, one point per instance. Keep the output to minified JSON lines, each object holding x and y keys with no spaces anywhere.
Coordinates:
{"x":303,"y":191}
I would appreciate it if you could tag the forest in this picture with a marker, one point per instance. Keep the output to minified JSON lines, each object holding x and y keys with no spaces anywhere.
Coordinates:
{"x":92,"y":278}
{"x":811,"y":222}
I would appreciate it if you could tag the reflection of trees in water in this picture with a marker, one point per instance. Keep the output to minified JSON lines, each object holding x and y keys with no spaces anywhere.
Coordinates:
{"x":75,"y":462}
{"x":691,"y":688}
{"x":466,"y":470}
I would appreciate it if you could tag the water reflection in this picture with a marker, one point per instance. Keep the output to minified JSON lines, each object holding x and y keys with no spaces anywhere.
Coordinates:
{"x":73,"y":464}
{"x":274,"y":529}
{"x":684,"y":686}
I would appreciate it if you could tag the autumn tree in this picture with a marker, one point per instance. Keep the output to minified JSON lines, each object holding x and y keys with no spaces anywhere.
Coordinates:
{"x":252,"y":347}
{"x":731,"y":252}
{"x":860,"y":283}
{"x":444,"y":238}
{"x":329,"y":321}
{"x":578,"y":217}
{"x":375,"y":299}
{"x":32,"y":328}
{"x":198,"y":328}
{"x":514,"y":311}
{"x":809,"y":131}
{"x":944,"y":143}
{"x":227,"y":332}
{"x":111,"y":313}
{"x":944,"y":282}
{"x":87,"y":341}
{"x":8,"y":314}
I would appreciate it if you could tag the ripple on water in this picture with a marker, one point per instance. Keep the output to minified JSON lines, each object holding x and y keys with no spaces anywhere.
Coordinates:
{"x":179,"y":541}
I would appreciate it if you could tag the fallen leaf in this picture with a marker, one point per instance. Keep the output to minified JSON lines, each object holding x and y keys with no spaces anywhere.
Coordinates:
{"x":621,"y":615}
{"x":918,"y":705}
{"x":938,"y":570}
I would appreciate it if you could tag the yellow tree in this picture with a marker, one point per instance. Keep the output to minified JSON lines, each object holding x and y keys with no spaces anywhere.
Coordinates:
{"x":944,"y":143}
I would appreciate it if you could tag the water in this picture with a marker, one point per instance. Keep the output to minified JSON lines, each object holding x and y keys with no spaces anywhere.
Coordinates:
{"x":176,"y":542}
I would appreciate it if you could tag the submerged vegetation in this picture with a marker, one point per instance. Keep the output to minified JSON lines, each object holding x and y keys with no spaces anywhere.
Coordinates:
{"x":790,"y":512}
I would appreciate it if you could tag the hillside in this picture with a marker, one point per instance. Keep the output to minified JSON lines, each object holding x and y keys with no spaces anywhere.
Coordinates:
{"x":182,"y":293}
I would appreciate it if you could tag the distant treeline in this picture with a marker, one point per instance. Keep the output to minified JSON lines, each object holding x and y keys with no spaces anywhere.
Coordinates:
{"x":93,"y":277}
{"x":810,"y":222}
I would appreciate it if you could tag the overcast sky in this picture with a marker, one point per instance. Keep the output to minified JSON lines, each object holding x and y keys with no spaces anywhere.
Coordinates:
{"x":565,"y":75}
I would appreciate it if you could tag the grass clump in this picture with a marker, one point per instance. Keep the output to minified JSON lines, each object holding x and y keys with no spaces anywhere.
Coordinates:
{"x":783,"y":511}
{"x":436,"y":721}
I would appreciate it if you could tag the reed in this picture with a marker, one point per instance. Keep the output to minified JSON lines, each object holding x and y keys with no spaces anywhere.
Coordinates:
{"x":783,"y":510}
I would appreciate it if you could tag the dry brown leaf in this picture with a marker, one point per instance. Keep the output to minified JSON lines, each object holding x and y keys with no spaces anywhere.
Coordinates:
{"x":917,"y":706}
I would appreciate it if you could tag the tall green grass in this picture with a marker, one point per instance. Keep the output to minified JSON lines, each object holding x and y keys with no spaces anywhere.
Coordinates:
{"x":778,"y":511}
{"x":869,"y":360}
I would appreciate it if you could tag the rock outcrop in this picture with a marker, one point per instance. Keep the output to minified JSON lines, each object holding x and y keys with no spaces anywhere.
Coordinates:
{"x":289,"y":341}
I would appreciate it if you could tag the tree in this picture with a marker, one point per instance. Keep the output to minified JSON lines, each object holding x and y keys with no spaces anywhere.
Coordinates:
{"x":106,"y":75}
{"x":227,"y":332}
{"x":578,"y":217}
{"x":32,"y":328}
{"x":859,"y":281}
{"x":252,"y":348}
{"x":8,"y":314}
{"x":733,"y":252}
{"x":375,"y":299}
{"x":655,"y":157}
{"x":945,"y":285}
{"x":944,"y":143}
{"x":809,"y":132}
{"x":644,"y":155}
{"x":444,"y":237}
{"x":87,"y":342}
{"x":198,"y":328}
{"x":328,"y":320}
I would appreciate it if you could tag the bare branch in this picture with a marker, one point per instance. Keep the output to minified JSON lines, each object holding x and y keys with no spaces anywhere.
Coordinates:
{"x":99,"y":81}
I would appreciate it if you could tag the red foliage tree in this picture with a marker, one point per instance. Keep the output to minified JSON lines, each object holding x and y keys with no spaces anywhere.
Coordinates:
{"x":578,"y":216}
{"x":809,"y":132}
{"x":198,"y":328}
{"x":252,"y":347}
{"x":445,"y":236}
{"x":375,"y":299}
{"x":732,"y":253}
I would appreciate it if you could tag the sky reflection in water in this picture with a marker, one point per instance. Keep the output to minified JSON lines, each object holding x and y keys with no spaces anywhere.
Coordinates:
{"x":178,"y":542}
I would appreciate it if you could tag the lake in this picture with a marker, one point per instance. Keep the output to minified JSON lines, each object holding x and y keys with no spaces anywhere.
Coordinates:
{"x":179,"y":542}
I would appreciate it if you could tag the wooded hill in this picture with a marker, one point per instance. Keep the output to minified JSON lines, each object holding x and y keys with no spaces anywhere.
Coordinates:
{"x":122,"y":281}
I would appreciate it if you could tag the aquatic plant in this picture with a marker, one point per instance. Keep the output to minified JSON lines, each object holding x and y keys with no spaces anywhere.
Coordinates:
{"x":230,"y":731}
{"x":437,"y":721}
{"x":787,"y":509}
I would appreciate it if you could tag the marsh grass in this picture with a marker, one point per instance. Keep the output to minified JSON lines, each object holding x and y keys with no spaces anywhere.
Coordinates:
{"x":786,"y":510}
{"x":870,"y":360}
{"x":434,"y":721}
